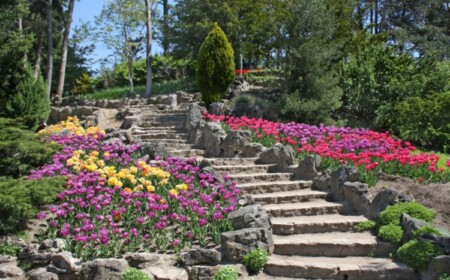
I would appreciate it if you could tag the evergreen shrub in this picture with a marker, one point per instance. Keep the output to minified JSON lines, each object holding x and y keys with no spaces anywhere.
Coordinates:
{"x":392,"y":214}
{"x":418,"y":253}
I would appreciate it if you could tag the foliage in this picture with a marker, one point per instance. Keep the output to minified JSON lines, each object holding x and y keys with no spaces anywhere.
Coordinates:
{"x":21,"y":149}
{"x":425,"y":121}
{"x":226,"y":273}
{"x":9,"y":249}
{"x":83,"y":85}
{"x":444,"y":276}
{"x":215,"y":66}
{"x":30,"y":101}
{"x":22,"y":199}
{"x":391,"y":233}
{"x":134,"y":274}
{"x":255,"y":260}
{"x":365,"y":226}
{"x":418,"y":253}
{"x":392,"y":214}
{"x":427,"y":229}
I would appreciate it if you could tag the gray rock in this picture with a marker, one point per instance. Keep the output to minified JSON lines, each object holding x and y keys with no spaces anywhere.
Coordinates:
{"x":58,"y":114}
{"x":279,"y":154}
{"x":184,"y":97}
{"x":382,"y":200}
{"x":234,"y":142}
{"x":358,"y":195}
{"x":438,"y":266}
{"x":154,"y":150}
{"x":333,"y":182}
{"x":59,"y":244}
{"x":7,"y":259}
{"x":66,"y":262}
{"x":245,"y":200}
{"x":117,"y":104}
{"x":345,"y":174}
{"x":46,"y":244}
{"x":236,"y":244}
{"x":201,"y":256}
{"x":41,"y":274}
{"x":10,"y":270}
{"x":308,"y":168}
{"x":169,"y":100}
{"x":201,"y":272}
{"x":252,"y":216}
{"x":143,"y":260}
{"x":167,"y":273}
{"x":252,"y":150}
{"x":195,"y":123}
{"x":410,"y":225}
{"x":107,"y":269}
{"x":441,"y":242}
{"x":212,"y":137}
{"x":249,"y":110}
{"x":129,"y":121}
{"x":217,"y":108}
{"x":212,"y":171}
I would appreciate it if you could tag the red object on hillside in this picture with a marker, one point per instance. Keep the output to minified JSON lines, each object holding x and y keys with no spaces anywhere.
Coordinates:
{"x":245,"y":71}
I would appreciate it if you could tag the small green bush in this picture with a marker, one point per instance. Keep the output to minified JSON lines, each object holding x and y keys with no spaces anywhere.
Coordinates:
{"x":226,"y":273}
{"x":417,"y":253}
{"x":444,"y":276}
{"x":9,"y":249}
{"x":391,"y":233}
{"x":83,"y":85}
{"x":365,"y":226}
{"x":427,"y":229}
{"x":22,"y":199}
{"x":215,"y":69}
{"x":134,"y":274}
{"x":392,"y":214}
{"x":255,"y":260}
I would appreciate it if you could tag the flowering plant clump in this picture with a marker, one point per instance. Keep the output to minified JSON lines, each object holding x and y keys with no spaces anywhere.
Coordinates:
{"x":115,"y":202}
{"x":246,"y":71}
{"x":372,"y":152}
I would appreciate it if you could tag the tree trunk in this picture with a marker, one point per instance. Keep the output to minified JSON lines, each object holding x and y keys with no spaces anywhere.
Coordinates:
{"x":38,"y":56}
{"x":148,"y":55}
{"x":165,"y":40}
{"x":49,"y":49}
{"x":65,"y":46}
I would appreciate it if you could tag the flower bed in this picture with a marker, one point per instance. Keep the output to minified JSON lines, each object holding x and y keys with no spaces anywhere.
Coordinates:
{"x":372,"y":152}
{"x":115,"y":202}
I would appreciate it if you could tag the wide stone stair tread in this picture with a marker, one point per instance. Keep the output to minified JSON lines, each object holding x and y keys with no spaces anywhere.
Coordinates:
{"x":243,"y":168}
{"x":331,"y":244}
{"x":167,"y":141}
{"x":261,"y":177}
{"x":315,"y":224}
{"x":229,"y":161}
{"x":350,"y":268}
{"x":186,"y":152}
{"x":289,"y":196}
{"x":163,"y":136}
{"x":272,"y":187}
{"x":314,"y":207}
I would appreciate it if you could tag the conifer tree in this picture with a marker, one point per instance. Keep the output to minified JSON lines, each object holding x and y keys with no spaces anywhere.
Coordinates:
{"x":216,"y":68}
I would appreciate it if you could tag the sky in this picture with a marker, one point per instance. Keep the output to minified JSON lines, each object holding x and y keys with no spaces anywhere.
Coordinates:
{"x":85,"y":11}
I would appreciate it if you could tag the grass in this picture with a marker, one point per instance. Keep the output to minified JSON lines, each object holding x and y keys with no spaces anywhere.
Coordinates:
{"x":164,"y":87}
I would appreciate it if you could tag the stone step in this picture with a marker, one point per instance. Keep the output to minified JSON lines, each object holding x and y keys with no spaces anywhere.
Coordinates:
{"x":261,"y":177}
{"x":272,"y":187}
{"x":187,"y":153}
{"x":314,"y":207}
{"x":289,"y":196}
{"x":161,"y":128}
{"x":167,"y":141}
{"x":350,"y":268}
{"x":176,"y":124}
{"x":332,"y":244}
{"x":163,"y":136}
{"x":314,"y":224}
{"x":229,"y":161}
{"x":250,"y":168}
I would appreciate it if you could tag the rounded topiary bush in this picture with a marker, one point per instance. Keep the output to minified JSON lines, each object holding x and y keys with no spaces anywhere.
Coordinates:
{"x":391,"y":233}
{"x":392,"y":214}
{"x":215,"y":69}
{"x":417,"y":253}
{"x":226,"y":273}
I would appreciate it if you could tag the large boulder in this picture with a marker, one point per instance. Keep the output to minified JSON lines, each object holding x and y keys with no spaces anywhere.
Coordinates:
{"x":65,"y":263}
{"x":41,"y":274}
{"x":143,"y":260}
{"x":195,"y":123}
{"x":308,"y":169}
{"x":58,"y":114}
{"x":234,"y":143}
{"x":201,"y":256}
{"x":252,"y":149}
{"x":280,"y":155}
{"x":236,"y":244}
{"x":382,"y":200}
{"x":410,"y":225}
{"x":212,"y":136}
{"x":438,"y":266}
{"x":252,"y":216}
{"x":358,"y":195}
{"x":167,"y":273}
{"x":167,"y":100}
{"x":107,"y":269}
{"x":217,"y":108}
{"x":9,"y":268}
{"x":153,"y":150}
{"x":130,"y":121}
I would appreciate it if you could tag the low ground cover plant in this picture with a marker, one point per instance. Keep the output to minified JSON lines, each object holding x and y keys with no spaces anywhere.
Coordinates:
{"x":371,"y":152}
{"x":226,"y":273}
{"x":116,"y":202}
{"x":134,"y":274}
{"x":255,"y":260}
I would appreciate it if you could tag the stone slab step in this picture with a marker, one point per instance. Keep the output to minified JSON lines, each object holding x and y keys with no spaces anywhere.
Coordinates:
{"x":272,"y":187}
{"x":314,"y":224}
{"x":314,"y":207}
{"x":349,"y":268}
{"x":261,"y":177}
{"x":163,"y":136}
{"x":229,"y":161}
{"x":251,"y":168}
{"x":187,"y":153}
{"x":162,"y":124}
{"x":166,"y":129}
{"x":332,"y":244}
{"x":289,"y":196}
{"x":167,"y":141}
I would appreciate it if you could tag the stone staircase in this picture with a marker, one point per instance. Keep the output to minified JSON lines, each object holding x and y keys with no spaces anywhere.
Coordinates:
{"x":312,"y":235}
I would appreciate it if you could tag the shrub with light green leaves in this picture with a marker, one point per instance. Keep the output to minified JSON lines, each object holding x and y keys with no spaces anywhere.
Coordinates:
{"x":226,"y":273}
{"x":365,"y":226}
{"x":427,"y":229}
{"x":255,"y":260}
{"x":134,"y":274}
{"x":392,"y":214}
{"x":391,"y":233}
{"x":418,"y":253}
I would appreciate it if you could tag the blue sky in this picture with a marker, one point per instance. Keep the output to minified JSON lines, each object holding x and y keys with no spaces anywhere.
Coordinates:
{"x":86,"y":10}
